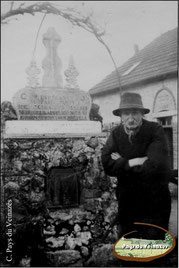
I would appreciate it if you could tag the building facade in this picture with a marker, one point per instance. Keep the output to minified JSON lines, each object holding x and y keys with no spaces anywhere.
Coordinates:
{"x":151,"y":72}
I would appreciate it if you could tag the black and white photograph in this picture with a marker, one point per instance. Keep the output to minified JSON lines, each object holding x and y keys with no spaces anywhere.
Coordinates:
{"x":89,"y":134}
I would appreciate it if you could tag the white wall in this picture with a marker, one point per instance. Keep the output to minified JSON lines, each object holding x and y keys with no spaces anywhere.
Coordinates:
{"x":110,"y":101}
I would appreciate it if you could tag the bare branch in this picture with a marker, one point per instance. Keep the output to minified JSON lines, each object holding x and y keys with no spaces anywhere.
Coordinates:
{"x":46,"y":7}
{"x":21,"y":5}
{"x":11,"y":6}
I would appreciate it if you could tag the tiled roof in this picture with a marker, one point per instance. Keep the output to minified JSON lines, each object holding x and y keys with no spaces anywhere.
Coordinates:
{"x":157,"y":59}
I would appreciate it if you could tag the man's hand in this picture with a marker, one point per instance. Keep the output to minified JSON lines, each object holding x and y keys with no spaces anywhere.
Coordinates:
{"x":137,"y":161}
{"x":115,"y":156}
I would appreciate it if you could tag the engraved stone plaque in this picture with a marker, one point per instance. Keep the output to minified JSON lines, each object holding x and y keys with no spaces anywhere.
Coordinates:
{"x":52,"y":104}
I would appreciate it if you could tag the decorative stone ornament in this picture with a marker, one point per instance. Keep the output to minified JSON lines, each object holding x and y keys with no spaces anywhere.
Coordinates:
{"x":33,"y":71}
{"x":71,"y":75}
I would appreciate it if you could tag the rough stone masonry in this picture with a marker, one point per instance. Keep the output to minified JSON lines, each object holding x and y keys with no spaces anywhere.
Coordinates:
{"x":70,"y":234}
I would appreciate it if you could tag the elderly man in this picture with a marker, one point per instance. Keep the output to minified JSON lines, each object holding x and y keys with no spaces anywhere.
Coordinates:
{"x":136,"y":153}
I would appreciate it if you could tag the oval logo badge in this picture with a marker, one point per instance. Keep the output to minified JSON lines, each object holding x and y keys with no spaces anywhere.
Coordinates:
{"x":132,"y":247}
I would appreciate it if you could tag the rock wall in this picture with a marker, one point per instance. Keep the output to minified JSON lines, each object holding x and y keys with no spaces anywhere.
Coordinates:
{"x":56,"y":237}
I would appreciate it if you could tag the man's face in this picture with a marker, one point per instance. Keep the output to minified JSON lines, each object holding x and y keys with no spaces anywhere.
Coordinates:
{"x":131,"y":118}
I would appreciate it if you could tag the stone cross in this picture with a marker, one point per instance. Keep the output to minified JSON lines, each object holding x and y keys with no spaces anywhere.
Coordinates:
{"x":52,"y":64}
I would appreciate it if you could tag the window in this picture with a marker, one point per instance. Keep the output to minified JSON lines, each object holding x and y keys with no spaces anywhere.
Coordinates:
{"x":165,"y":121}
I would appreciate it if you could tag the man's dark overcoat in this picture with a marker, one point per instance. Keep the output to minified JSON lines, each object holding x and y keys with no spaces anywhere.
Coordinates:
{"x":142,"y":191}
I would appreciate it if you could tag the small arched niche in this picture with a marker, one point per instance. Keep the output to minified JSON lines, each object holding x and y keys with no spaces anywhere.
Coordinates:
{"x":164,"y":101}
